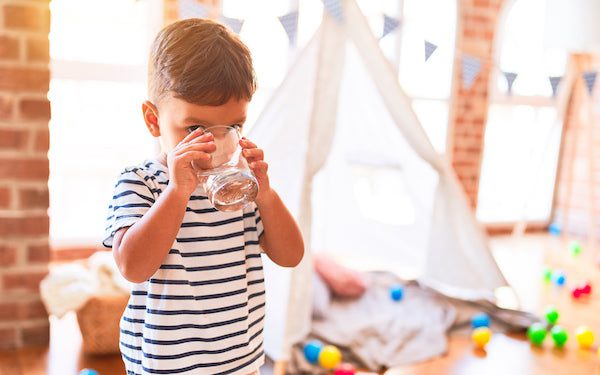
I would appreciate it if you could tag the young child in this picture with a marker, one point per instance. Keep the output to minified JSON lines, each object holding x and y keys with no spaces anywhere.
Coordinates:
{"x":198,"y":300}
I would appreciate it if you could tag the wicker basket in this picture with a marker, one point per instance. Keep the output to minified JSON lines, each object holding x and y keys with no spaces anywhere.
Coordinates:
{"x":99,"y":323}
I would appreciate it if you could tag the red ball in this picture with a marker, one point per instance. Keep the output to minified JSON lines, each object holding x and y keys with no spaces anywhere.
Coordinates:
{"x":587,"y":289}
{"x":345,"y":369}
{"x":576,"y":293}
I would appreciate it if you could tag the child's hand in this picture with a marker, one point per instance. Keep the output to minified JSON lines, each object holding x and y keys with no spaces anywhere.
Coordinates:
{"x":255,"y":158}
{"x":195,"y":146}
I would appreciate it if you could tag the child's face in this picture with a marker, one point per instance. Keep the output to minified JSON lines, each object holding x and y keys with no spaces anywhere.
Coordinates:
{"x":175,"y":118}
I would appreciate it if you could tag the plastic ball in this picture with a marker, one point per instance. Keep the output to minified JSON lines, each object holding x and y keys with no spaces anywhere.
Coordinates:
{"x":560,"y":336}
{"x":559,"y":278}
{"x":575,"y":248}
{"x":552,"y":315}
{"x":330,"y":357}
{"x":481,"y":336}
{"x":312,"y":349}
{"x":397,"y":292}
{"x":576,"y":293}
{"x":587,"y":289}
{"x":547,"y":275}
{"x":537,"y":333}
{"x":480,"y":320}
{"x":344,"y":369}
{"x":88,"y":371}
{"x":585,"y":337}
{"x":554,"y":229}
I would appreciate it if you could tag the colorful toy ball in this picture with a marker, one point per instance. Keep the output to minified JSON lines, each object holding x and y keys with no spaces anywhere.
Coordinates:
{"x":537,"y":333}
{"x":397,"y":292}
{"x":585,"y":337}
{"x":576,"y":292}
{"x":587,"y":288}
{"x":312,"y":349}
{"x":560,"y":336}
{"x":552,"y":315}
{"x":481,"y":336}
{"x":330,"y":357}
{"x":344,"y":369}
{"x":88,"y":371}
{"x":559,"y":278}
{"x":480,"y":320}
{"x":554,"y":229}
{"x":547,"y":275}
{"x":575,"y":248}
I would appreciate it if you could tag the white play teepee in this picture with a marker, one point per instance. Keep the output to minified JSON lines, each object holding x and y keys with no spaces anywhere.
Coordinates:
{"x":350,"y":159}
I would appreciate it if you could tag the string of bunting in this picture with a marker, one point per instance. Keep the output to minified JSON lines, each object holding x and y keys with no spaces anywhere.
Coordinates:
{"x":471,"y":65}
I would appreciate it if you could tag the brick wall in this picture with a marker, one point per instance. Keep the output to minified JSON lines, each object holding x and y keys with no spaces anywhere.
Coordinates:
{"x":477,"y":24}
{"x":573,"y":201}
{"x":24,"y":142}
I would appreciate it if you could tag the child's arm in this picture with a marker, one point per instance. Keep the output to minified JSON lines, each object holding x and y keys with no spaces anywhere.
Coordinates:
{"x":282,"y":239}
{"x":139,"y":250}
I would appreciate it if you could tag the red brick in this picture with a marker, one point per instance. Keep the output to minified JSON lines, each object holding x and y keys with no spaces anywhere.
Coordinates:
{"x":35,"y":109}
{"x":6,"y":107}
{"x":9,"y":338}
{"x":37,"y":335}
{"x":24,"y":79}
{"x":25,"y":280}
{"x":38,"y":49}
{"x":38,"y":253}
{"x":25,"y":226}
{"x":8,"y":255}
{"x":9,"y":47}
{"x":11,"y":139}
{"x":25,"y":169}
{"x":34,"y":198}
{"x":22,"y":310}
{"x":42,"y":140}
{"x":27,"y":17}
{"x":5,"y":197}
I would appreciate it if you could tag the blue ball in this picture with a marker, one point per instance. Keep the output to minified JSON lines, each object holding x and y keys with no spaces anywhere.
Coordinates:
{"x":559,"y":278}
{"x":88,"y":371}
{"x":397,"y":292}
{"x":480,"y":320}
{"x":554,"y":229}
{"x":312,"y":350}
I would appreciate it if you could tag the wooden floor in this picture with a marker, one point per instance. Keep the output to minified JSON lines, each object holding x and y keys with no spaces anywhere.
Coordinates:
{"x":522,"y":261}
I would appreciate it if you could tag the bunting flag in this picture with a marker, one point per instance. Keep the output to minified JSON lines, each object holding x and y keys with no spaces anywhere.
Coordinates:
{"x":389,"y":24}
{"x":471,"y":66}
{"x":429,"y":50}
{"x":510,"y":79}
{"x":334,"y":8}
{"x":192,"y":9}
{"x":290,"y":25}
{"x":554,"y":82}
{"x":590,"y":80}
{"x":233,"y":23}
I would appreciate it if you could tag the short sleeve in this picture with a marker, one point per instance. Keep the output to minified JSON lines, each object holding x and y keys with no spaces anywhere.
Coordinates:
{"x":131,"y":199}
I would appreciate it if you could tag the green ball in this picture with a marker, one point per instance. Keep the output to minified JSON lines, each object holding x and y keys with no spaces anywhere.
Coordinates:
{"x":575,"y":248}
{"x":552,"y":315}
{"x":547,"y":275}
{"x":537,"y":333}
{"x":560,"y":336}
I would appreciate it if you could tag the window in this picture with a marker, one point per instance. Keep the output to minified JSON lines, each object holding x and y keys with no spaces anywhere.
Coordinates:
{"x":98,"y":59}
{"x":523,"y":133}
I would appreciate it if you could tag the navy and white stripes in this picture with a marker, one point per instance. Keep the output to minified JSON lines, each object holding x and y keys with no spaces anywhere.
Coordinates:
{"x":202,"y":312}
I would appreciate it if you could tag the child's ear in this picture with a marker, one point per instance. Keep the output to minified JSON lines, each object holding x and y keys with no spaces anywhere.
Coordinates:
{"x":150,"y":113}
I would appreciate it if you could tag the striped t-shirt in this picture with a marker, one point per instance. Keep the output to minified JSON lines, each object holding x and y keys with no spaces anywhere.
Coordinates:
{"x":202,"y":312}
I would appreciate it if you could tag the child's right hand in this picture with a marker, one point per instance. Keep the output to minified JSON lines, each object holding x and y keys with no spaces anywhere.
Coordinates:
{"x":183,"y":177}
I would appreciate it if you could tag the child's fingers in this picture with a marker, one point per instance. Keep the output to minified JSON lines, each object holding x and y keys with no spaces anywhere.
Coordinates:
{"x":189,"y":156}
{"x":245,"y":143}
{"x":204,"y":147}
{"x":253,"y":154}
{"x":259,"y":167}
{"x":193,"y":135}
{"x":206,"y":137}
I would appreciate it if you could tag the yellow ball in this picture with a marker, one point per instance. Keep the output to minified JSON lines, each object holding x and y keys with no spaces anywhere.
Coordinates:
{"x":330,"y":356}
{"x":481,"y":336}
{"x":585,"y":337}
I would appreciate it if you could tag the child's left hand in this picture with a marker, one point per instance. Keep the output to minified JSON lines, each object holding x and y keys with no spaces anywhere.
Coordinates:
{"x":255,"y":158}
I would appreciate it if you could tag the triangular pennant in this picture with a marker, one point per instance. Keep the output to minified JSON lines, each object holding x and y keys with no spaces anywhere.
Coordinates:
{"x":554,"y":81}
{"x":334,"y":8}
{"x":471,"y":66}
{"x":389,"y":24}
{"x":233,"y":23}
{"x":192,"y":9}
{"x":510,"y":79}
{"x":290,"y":25}
{"x":590,"y":80}
{"x":429,"y":50}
